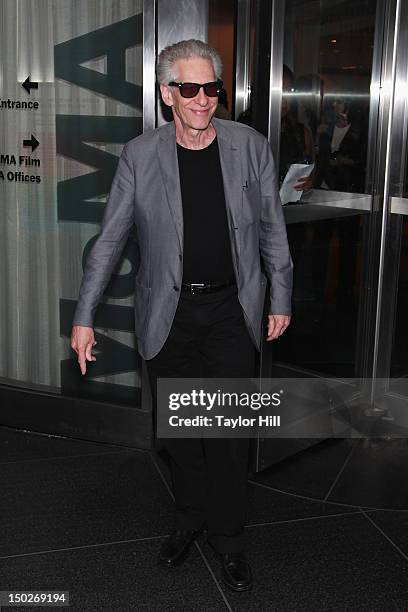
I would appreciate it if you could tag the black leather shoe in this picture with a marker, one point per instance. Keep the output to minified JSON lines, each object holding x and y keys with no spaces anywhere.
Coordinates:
{"x":176,"y":547}
{"x":236,"y":571}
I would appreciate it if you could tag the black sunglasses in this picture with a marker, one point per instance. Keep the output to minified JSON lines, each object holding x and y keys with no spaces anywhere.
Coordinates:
{"x":190,"y":90}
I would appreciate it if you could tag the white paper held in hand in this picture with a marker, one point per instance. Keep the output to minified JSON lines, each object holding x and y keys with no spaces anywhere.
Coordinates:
{"x":296,"y":171}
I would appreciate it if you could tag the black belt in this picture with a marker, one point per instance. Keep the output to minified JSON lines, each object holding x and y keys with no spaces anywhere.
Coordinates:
{"x":209,"y":287}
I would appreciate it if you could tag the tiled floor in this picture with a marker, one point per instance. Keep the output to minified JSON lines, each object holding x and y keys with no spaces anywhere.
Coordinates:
{"x":89,"y":519}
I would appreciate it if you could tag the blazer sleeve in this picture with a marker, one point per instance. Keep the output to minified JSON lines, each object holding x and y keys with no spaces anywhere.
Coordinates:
{"x":117,"y":221}
{"x":273,"y":242}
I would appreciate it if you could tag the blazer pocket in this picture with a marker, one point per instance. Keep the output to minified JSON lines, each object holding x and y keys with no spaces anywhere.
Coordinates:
{"x":141,"y":309}
{"x":251,"y":203}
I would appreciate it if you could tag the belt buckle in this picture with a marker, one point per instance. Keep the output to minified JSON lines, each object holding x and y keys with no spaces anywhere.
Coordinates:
{"x":192,"y":285}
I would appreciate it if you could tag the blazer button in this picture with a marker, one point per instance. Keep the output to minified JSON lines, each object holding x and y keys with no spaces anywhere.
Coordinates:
{"x":176,"y":288}
{"x":180,"y":257}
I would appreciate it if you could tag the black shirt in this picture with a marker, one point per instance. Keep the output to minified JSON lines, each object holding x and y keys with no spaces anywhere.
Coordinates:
{"x":207,"y":248}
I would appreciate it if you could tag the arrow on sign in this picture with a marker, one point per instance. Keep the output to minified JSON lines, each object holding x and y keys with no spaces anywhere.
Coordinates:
{"x":33,"y":143}
{"x":28,"y":85}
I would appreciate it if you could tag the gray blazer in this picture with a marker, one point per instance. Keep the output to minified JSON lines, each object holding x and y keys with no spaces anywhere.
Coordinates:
{"x":146,"y":192}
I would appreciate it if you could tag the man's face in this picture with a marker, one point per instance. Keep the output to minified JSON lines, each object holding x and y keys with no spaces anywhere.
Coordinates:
{"x":339,"y":106}
{"x":195,"y":113}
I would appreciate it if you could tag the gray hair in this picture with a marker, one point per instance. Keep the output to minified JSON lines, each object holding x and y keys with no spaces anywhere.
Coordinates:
{"x":185,"y":49}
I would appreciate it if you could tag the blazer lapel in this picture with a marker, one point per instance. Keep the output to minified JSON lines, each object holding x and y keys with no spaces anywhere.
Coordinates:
{"x":230,"y":158}
{"x":170,"y":172}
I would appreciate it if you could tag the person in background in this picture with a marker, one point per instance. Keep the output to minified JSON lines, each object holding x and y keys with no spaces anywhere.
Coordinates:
{"x":296,"y":142}
{"x":296,"y":147}
{"x":340,"y":167}
{"x":341,"y":151}
{"x":222,"y":111}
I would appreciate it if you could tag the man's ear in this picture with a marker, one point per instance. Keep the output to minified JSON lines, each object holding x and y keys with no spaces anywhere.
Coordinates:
{"x":167,"y":95}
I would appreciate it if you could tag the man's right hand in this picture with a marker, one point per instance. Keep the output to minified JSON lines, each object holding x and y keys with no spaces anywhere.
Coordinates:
{"x":82,"y":341}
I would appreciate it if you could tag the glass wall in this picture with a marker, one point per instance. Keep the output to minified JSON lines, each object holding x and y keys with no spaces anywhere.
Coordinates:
{"x":71,"y":88}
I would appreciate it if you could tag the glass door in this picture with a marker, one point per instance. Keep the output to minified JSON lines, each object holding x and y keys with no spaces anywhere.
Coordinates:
{"x":322,"y":121}
{"x":330,"y":108}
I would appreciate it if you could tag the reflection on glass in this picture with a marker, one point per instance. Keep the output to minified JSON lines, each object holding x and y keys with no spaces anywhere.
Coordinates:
{"x":399,"y":357}
{"x":327,"y":64}
{"x":327,"y":74}
{"x":340,"y":142}
{"x":296,"y":143}
{"x":324,"y":120}
{"x":395,"y":295}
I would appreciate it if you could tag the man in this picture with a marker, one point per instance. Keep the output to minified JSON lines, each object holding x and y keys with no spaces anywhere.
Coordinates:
{"x":202,"y":193}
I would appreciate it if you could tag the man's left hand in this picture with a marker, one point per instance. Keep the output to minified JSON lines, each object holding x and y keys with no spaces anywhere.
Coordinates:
{"x":277,"y":325}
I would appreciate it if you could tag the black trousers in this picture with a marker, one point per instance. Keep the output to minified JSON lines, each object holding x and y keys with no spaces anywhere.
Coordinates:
{"x":208,"y":338}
